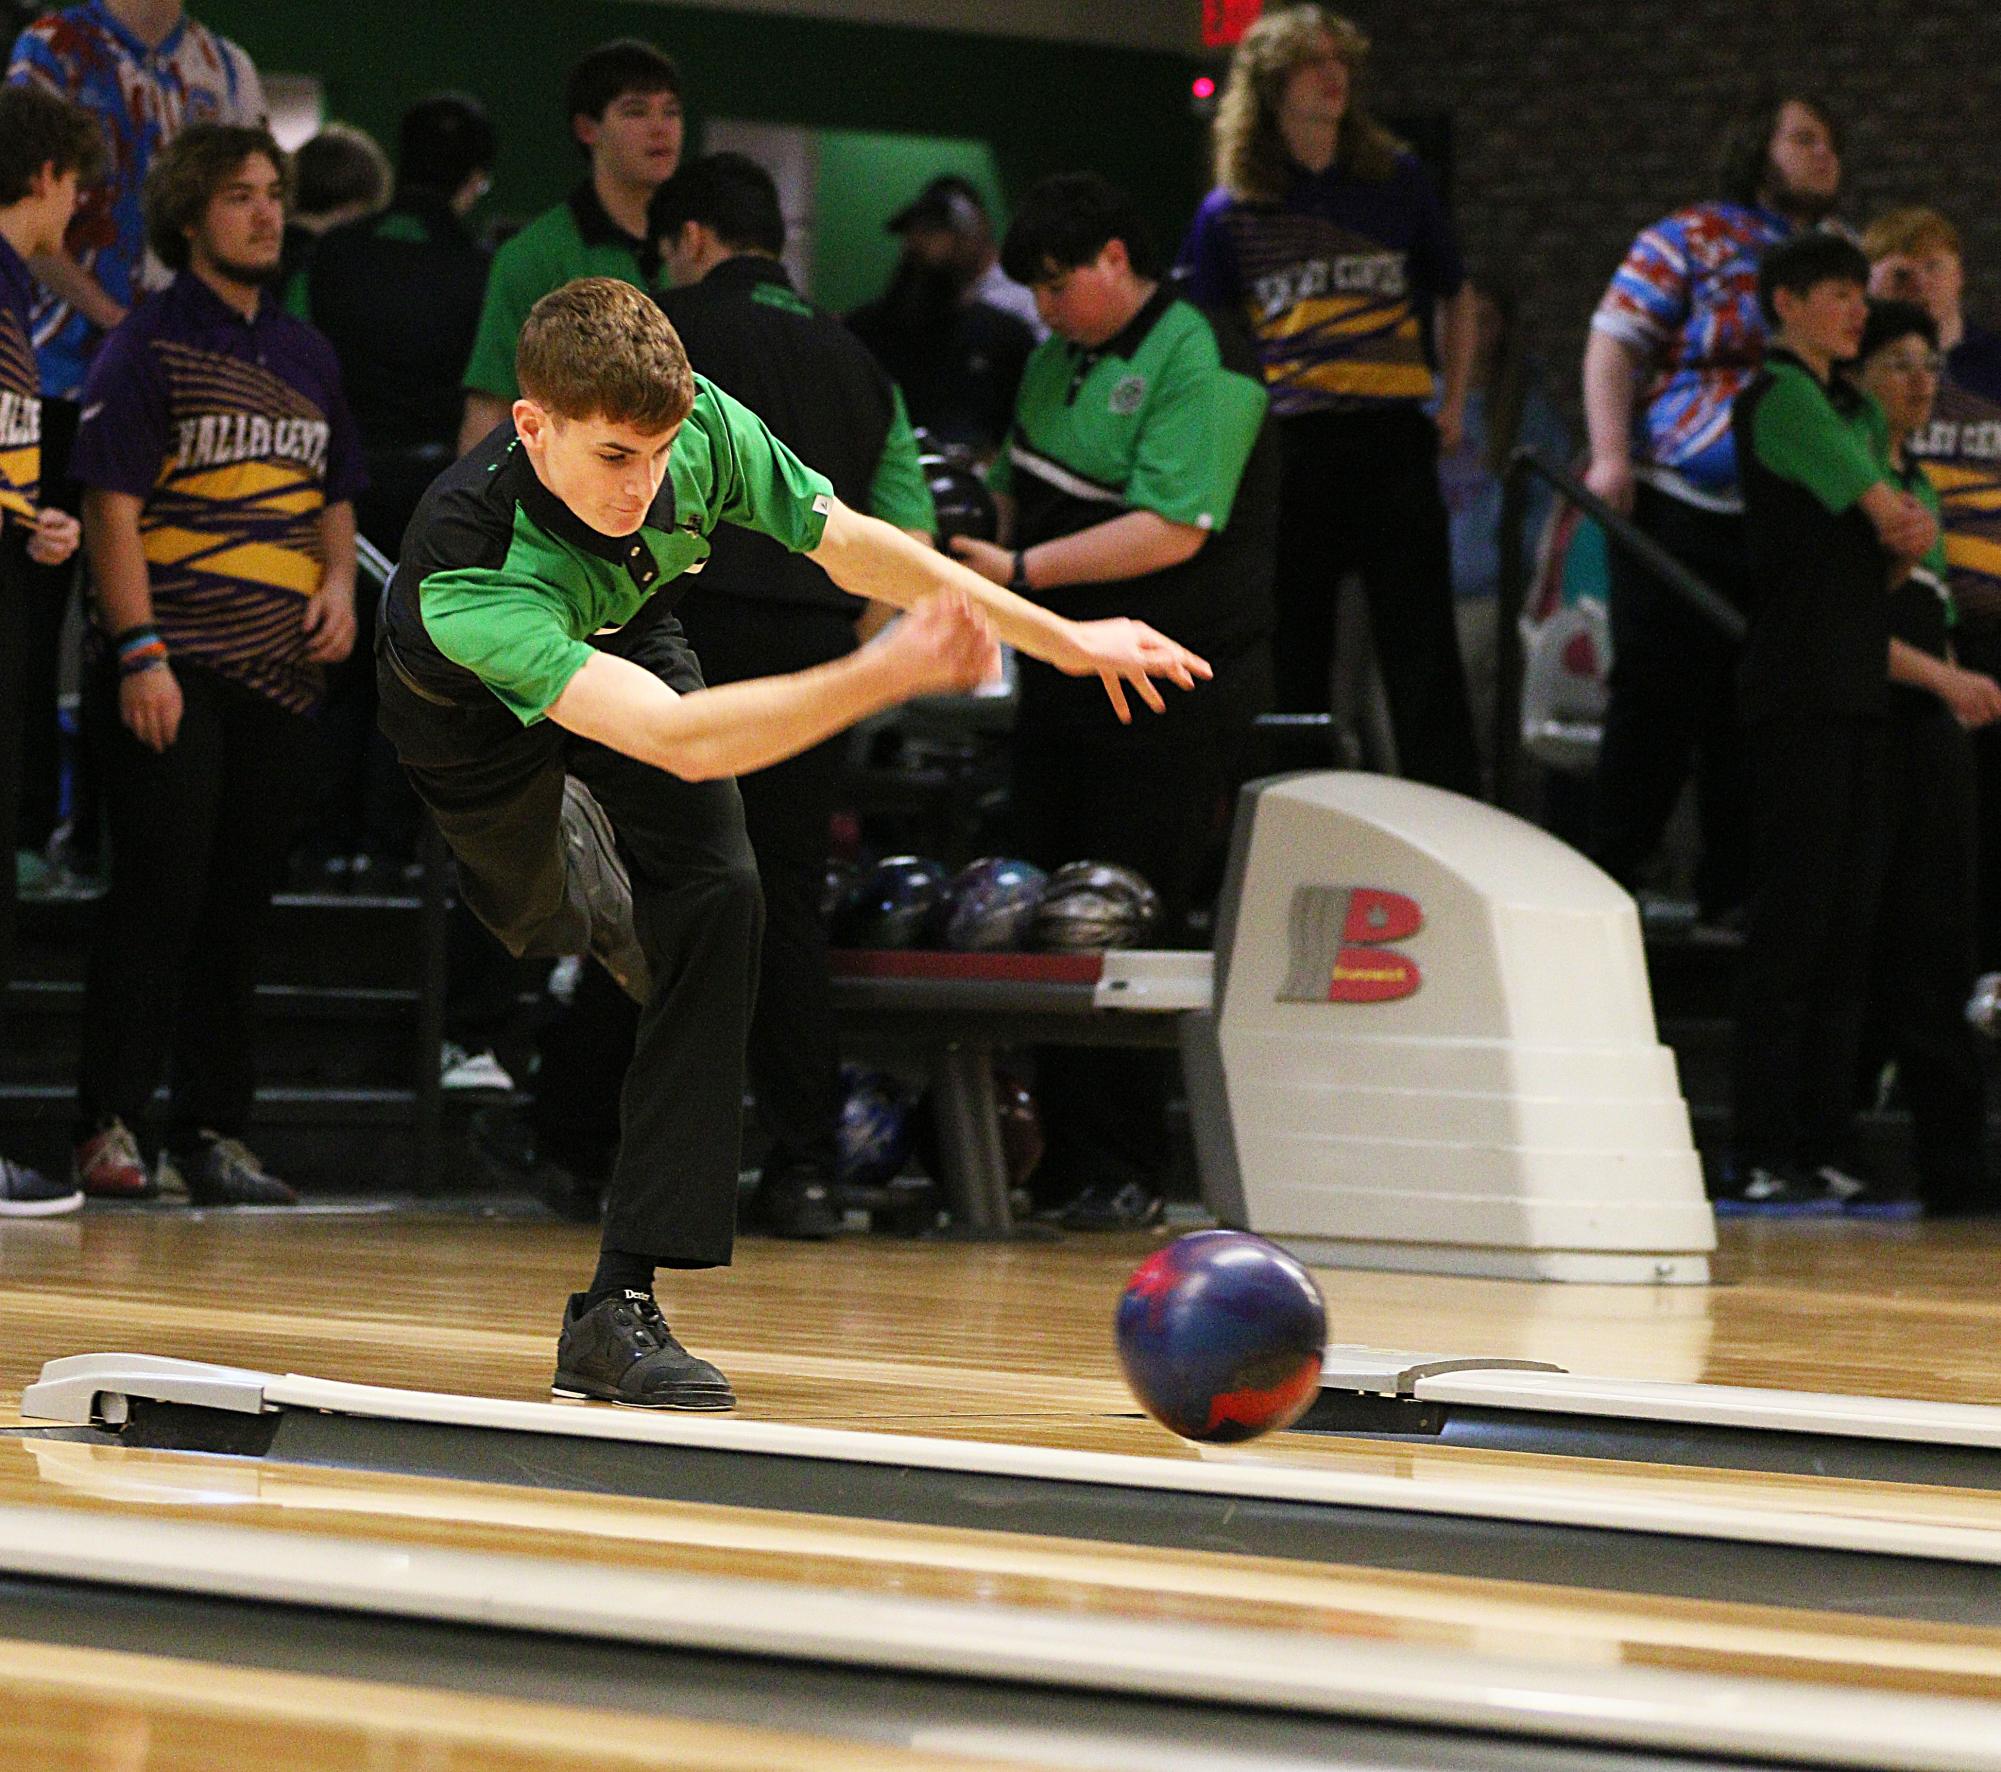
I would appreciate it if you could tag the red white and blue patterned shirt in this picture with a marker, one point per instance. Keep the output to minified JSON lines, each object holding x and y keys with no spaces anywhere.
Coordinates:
{"x":1685,"y":298}
{"x":236,"y":435}
{"x":142,"y":97}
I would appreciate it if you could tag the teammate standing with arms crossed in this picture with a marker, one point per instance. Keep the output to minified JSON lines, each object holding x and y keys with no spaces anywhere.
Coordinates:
{"x":552,"y":716}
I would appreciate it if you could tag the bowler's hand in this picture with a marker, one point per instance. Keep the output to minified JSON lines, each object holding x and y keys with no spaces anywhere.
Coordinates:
{"x":941,"y":646}
{"x":149,"y":702}
{"x":994,"y":564}
{"x":1122,"y":651}
{"x":329,"y":625}
{"x":56,"y":536}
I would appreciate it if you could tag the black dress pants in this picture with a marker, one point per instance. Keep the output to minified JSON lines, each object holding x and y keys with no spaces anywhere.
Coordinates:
{"x":14,"y":590}
{"x":1924,"y":948}
{"x":495,"y":788}
{"x":794,"y":1053}
{"x":1359,"y":493}
{"x":1674,"y":705}
{"x":1820,"y":816}
{"x":1153,"y":796}
{"x":1977,"y":641}
{"x":198,"y":835}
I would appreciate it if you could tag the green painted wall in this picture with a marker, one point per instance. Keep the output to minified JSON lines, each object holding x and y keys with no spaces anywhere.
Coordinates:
{"x":1043,"y":107}
{"x":862,"y":180}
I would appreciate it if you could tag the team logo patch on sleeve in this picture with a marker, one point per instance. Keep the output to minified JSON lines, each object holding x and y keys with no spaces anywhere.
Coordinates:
{"x":822,"y":505}
{"x":1127,"y":395}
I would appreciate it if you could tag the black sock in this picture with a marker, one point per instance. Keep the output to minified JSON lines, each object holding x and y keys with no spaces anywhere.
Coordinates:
{"x":619,"y":1271}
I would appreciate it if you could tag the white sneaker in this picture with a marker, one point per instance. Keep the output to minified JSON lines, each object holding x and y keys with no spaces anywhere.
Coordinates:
{"x":472,"y":1071}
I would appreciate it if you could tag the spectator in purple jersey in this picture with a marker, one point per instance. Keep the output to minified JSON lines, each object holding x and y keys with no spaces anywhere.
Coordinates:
{"x":219,"y":465}
{"x":1676,"y":337}
{"x":1326,"y":236}
{"x":1915,"y":255}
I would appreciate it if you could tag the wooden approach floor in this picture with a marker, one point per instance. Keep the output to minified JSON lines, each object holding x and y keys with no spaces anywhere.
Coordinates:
{"x":1007,"y":1343}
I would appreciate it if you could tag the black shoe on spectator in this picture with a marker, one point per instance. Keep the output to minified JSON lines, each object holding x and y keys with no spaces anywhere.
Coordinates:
{"x":1754,"y":1190}
{"x":26,"y":1193}
{"x":796,"y":1201}
{"x":1867,"y":1199}
{"x":1105,"y":1206}
{"x":620,"y":1350}
{"x":226,"y":1172}
{"x":513,"y":1158}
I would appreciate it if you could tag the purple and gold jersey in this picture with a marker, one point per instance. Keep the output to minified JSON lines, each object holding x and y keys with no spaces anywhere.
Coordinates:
{"x":1334,"y":283}
{"x":1685,"y":299}
{"x":20,"y":396}
{"x":1961,"y":449}
{"x":235,"y":434}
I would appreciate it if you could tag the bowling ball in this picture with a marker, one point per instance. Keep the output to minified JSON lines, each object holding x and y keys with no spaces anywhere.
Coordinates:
{"x":991,"y":905}
{"x":1983,"y":1008}
{"x":1016,"y":1117}
{"x":964,"y":505}
{"x":898,"y":903}
{"x":1221,"y":1335}
{"x":839,"y":882}
{"x":1095,"y":904}
{"x":872,"y":1141}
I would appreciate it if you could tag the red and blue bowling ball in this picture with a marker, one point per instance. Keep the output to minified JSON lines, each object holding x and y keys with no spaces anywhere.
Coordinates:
{"x":1221,"y":1335}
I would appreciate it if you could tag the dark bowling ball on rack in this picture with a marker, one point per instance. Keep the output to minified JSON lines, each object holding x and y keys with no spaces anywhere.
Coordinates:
{"x":1088,"y":905}
{"x":1221,"y":1335}
{"x":872,"y":1140}
{"x":991,"y":905}
{"x":898,"y":903}
{"x":1017,"y":1118}
{"x":839,"y":882}
{"x":964,"y":505}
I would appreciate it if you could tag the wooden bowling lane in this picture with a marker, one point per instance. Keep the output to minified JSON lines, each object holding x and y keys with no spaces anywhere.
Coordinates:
{"x":67,"y":1709}
{"x":1563,"y":1627}
{"x":1006,"y":1343}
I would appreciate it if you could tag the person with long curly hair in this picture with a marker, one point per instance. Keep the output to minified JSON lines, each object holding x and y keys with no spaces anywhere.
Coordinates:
{"x":1326,"y":234}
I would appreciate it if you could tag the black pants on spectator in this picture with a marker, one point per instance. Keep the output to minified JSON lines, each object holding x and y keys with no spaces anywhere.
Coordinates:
{"x":1154,"y":796}
{"x":1977,"y":641}
{"x":46,"y":593}
{"x":1359,"y":494}
{"x":198,"y":834}
{"x":794,"y":1054}
{"x":495,"y":788}
{"x":1924,"y":948}
{"x":14,"y":570}
{"x":1820,"y":816}
{"x":1673,"y":705}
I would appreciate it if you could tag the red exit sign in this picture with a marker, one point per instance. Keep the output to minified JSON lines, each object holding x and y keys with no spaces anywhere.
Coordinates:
{"x":1224,"y":21}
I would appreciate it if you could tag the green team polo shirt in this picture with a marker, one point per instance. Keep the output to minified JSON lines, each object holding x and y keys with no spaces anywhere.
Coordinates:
{"x":502,"y":588}
{"x":1807,"y":451}
{"x":1169,"y":416}
{"x":574,"y":239}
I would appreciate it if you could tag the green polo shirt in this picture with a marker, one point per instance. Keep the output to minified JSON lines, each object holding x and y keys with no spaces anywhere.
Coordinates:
{"x":502,"y":588}
{"x":574,"y":239}
{"x":1170,"y":417}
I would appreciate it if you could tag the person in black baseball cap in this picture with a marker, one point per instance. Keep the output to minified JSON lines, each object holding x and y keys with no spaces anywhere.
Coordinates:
{"x":953,"y":329}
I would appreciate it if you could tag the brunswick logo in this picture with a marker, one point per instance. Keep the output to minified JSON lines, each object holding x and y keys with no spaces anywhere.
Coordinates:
{"x":1342,"y":937}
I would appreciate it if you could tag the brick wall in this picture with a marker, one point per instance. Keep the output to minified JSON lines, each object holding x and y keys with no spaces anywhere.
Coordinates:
{"x":1576,"y":122}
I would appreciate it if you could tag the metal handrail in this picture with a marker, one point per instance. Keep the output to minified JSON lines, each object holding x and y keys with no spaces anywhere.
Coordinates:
{"x":1620,"y":530}
{"x":435,"y":902}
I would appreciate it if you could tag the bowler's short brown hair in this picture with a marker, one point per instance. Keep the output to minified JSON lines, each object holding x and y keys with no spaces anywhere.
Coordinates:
{"x":599,"y":348}
{"x":190,"y":170}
